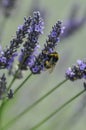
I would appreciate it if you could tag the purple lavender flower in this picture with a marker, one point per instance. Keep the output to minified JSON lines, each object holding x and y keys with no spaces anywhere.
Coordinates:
{"x":31,"y":45}
{"x":7,"y":56}
{"x":3,"y":89}
{"x":77,"y":71}
{"x":48,"y":51}
{"x":31,"y":30}
{"x":73,"y":24}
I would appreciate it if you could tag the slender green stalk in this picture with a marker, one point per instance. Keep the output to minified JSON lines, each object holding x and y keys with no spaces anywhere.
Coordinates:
{"x":13,"y":80}
{"x":1,"y":109}
{"x":5,"y":101}
{"x":57,"y":110}
{"x":16,"y":89}
{"x":22,"y":83}
{"x":34,"y":104}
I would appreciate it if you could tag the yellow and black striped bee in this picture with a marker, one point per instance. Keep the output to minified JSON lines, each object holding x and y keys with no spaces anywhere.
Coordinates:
{"x":52,"y":60}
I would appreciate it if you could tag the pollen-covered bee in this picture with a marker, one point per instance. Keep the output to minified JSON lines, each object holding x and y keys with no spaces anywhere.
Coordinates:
{"x":51,"y":60}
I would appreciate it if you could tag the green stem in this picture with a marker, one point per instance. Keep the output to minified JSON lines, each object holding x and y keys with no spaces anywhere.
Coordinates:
{"x":22,"y":83}
{"x":34,"y":104}
{"x":13,"y":80}
{"x":6,"y":101}
{"x":57,"y":110}
{"x":1,"y":109}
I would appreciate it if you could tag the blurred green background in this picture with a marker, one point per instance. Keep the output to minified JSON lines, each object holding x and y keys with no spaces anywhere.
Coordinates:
{"x":73,"y":117}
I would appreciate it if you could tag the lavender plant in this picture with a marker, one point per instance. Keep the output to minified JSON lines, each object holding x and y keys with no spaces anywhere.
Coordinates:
{"x":24,"y":48}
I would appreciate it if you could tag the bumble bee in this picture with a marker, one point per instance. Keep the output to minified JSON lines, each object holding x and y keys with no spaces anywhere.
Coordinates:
{"x":52,"y":60}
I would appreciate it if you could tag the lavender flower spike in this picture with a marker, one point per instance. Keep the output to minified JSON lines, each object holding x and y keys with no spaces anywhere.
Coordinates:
{"x":48,"y":56}
{"x":8,"y":55}
{"x":77,"y":71}
{"x":31,"y":45}
{"x":3,"y":88}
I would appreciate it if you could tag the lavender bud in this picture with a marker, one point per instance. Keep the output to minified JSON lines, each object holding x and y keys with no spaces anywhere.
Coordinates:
{"x":3,"y":89}
{"x":77,"y":71}
{"x":10,"y":94}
